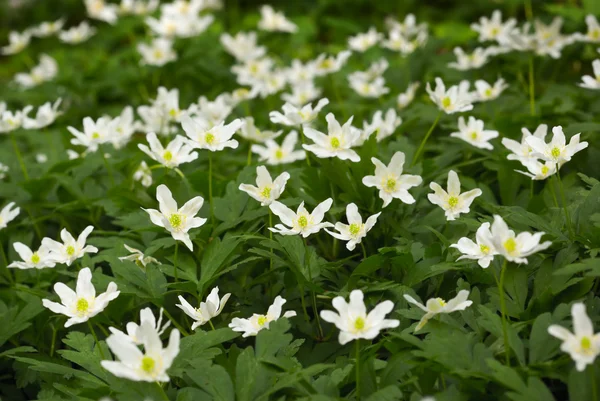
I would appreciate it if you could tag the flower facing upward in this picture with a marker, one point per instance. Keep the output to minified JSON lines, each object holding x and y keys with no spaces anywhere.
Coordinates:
{"x":300,"y":222}
{"x":355,"y":230}
{"x":202,"y":136}
{"x":583,"y":344}
{"x":486,"y":92}
{"x":273,"y":154}
{"x":453,"y":202}
{"x":46,"y":115}
{"x":178,"y":221}
{"x":250,"y":132}
{"x":176,"y":152}
{"x":266,"y":190}
{"x":450,"y":101}
{"x":521,"y":151}
{"x":590,"y":82}
{"x":557,"y":151}
{"x":363,"y":41}
{"x":354,"y":322}
{"x":39,"y":259}
{"x":138,"y":257}
{"x":70,"y":249}
{"x":435,"y":306}
{"x":483,"y":251}
{"x":406,"y":98}
{"x":95,"y":133}
{"x":538,"y":171}
{"x":293,"y":116}
{"x":256,"y":323}
{"x":46,"y":70}
{"x":81,"y":304}
{"x":8,"y":214}
{"x":158,"y":53}
{"x":16,"y":42}
{"x":77,"y":34}
{"x":207,"y":310}
{"x":272,"y":20}
{"x":474,"y":134}
{"x":134,"y":330}
{"x":391,"y":182}
{"x":515,"y":248}
{"x":493,"y":28}
{"x":338,"y":141}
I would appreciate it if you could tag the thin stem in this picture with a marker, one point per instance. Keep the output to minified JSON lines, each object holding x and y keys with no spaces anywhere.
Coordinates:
{"x":110,"y":174}
{"x":531,"y":87}
{"x":503,"y":310}
{"x":211,"y":325}
{"x":312,"y":292}
{"x":249,"y":154}
{"x":305,"y":151}
{"x":424,"y":141}
{"x":95,"y":338}
{"x":177,"y":325}
{"x":531,"y":189}
{"x":8,"y":272}
{"x":162,"y":391}
{"x":594,"y":383}
{"x":364,"y":250}
{"x":357,"y":368}
{"x":175,"y":261}
{"x":53,"y":341}
{"x":564,"y":203}
{"x":210,"y":197}
{"x":303,"y":303}
{"x":19,"y":156}
{"x":553,"y":193}
{"x":271,"y":238}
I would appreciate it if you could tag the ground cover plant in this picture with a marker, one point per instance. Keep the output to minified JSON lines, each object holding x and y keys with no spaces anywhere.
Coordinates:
{"x":325,"y":200}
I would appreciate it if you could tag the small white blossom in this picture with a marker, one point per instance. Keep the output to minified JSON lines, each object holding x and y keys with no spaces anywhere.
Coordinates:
{"x":272,"y":20}
{"x":46,"y":29}
{"x":100,"y":10}
{"x":158,"y":53}
{"x":250,"y":132}
{"x":143,"y":174}
{"x":493,"y":28}
{"x":590,"y":82}
{"x":39,"y":259}
{"x":453,"y":100}
{"x":483,"y":250}
{"x":435,"y":306}
{"x":464,"y":62}
{"x":522,"y":151}
{"x":364,"y":41}
{"x":207,"y":310}
{"x":453,"y":202}
{"x":255,"y":323}
{"x":135,"y":331}
{"x":95,"y":133}
{"x":77,"y":34}
{"x":300,"y":222}
{"x":266,"y":190}
{"x":337,"y":143}
{"x":473,"y":133}
{"x":383,"y":127}
{"x":176,"y":153}
{"x":293,"y":116}
{"x":515,"y":248}
{"x":355,"y":230}
{"x":273,"y":154}
{"x":16,"y":42}
{"x":242,"y":46}
{"x":406,"y":98}
{"x":557,"y":150}
{"x":485,"y":91}
{"x":46,"y":70}
{"x":69,"y":250}
{"x":325,"y":64}
{"x":45,"y":116}
{"x":138,"y":257}
{"x":537,"y":170}
{"x":202,"y":136}
{"x":3,"y":170}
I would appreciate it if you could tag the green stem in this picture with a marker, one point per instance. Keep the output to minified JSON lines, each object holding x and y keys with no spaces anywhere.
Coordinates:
{"x":210,"y":196}
{"x":162,"y":391}
{"x":594,"y":383}
{"x":8,"y":272}
{"x":424,"y":141}
{"x":211,"y":325}
{"x":312,"y":292}
{"x":19,"y":156}
{"x":175,"y":261}
{"x":553,"y":193}
{"x":95,"y":338}
{"x":303,"y":303}
{"x":564,"y":203}
{"x":110,"y":173}
{"x":249,"y":154}
{"x":306,"y":152}
{"x":177,"y":325}
{"x":357,"y":368}
{"x":53,"y":341}
{"x":531,"y":190}
{"x":364,"y":250}
{"x":531,"y":87}
{"x":271,"y":238}
{"x":503,"y":311}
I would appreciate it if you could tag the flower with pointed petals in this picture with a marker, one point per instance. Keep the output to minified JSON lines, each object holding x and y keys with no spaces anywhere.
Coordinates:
{"x":100,"y":10}
{"x":325,"y":64}
{"x":493,"y":28}
{"x":485,"y":91}
{"x":46,"y":70}
{"x":10,"y":121}
{"x":16,"y":42}
{"x":354,"y":322}
{"x":537,"y":170}
{"x":143,"y":174}
{"x":406,"y":98}
{"x":300,"y":222}
{"x":8,"y":214}
{"x":453,"y":202}
{"x":355,"y":230}
{"x":149,"y":366}
{"x":593,"y":30}
{"x":256,"y":323}
{"x":46,"y":29}
{"x":266,"y":190}
{"x":69,"y":250}
{"x":474,"y":134}
{"x":483,"y":250}
{"x":273,"y":154}
{"x":465,"y":62}
{"x":95,"y":133}
{"x":202,"y":136}
{"x":134,"y":330}
{"x":337,"y":143}
{"x":158,"y":53}
{"x":453,"y":100}
{"x":207,"y":310}
{"x":77,"y":34}
{"x":175,"y":154}
{"x":39,"y":259}
{"x":590,"y":82}
{"x":383,"y":126}
{"x":138,"y":257}
{"x":272,"y":20}
{"x":81,"y":304}
{"x":391,"y":182}
{"x":242,"y":46}
{"x":522,"y":151}
{"x":293,"y":116}
{"x":583,"y":345}
{"x":364,"y":41}
{"x":557,"y":150}
{"x":178,"y":221}
{"x":250,"y":132}
{"x":46,"y":115}
{"x":515,"y":248}
{"x":435,"y":306}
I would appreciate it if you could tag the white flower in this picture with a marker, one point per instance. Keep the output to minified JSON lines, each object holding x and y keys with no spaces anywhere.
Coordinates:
{"x":70,"y":249}
{"x":202,"y":136}
{"x":143,"y":174}
{"x":354,"y":322}
{"x":175,"y":154}
{"x":10,"y":121}
{"x":487,"y":92}
{"x":168,"y":102}
{"x":302,"y":93}
{"x":494,"y":28}
{"x":593,"y":30}
{"x":250,"y":132}
{"x":522,"y":151}
{"x":293,"y":115}
{"x":135,"y":331}
{"x":325,"y":64}
{"x":371,"y":89}
{"x":274,"y":154}
{"x":406,"y":98}
{"x":100,"y":10}
{"x":158,"y":53}
{"x":590,"y":82}
{"x":275,"y":21}
{"x":242,"y":46}
{"x":364,"y":41}
{"x":138,"y":7}
{"x":390,"y":181}
{"x":3,"y":170}
{"x":41,"y":158}
{"x":300,"y":73}
{"x":214,"y":112}
{"x":154,"y":119}
{"x":177,"y":221}
{"x":515,"y":248}
{"x":405,"y":43}
{"x":338,"y":141}
{"x":355,"y":230}
{"x":301,"y":222}
{"x":583,"y":345}
{"x":266,"y":190}
{"x":556,"y":150}
{"x":383,"y":127}
{"x":250,"y":71}
{"x":132,"y":364}
{"x":483,"y":251}
{"x":537,"y":170}
{"x":454,"y":100}
{"x":16,"y":42}
{"x":46,"y":70}
{"x":435,"y":306}
{"x":46,"y":115}
{"x":138,"y":257}
{"x":81,"y":304}
{"x":94,"y":133}
{"x":207,"y":310}
{"x":124,"y":129}
{"x":39,"y":259}
{"x":472,"y":61}
{"x":254,"y":324}
{"x":453,"y":202}
{"x":473,"y":133}
{"x":46,"y":29}
{"x":77,"y":34}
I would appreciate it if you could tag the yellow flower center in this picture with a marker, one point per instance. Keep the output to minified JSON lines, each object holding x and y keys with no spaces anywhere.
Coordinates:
{"x":175,"y":220}
{"x":473,"y":135}
{"x":302,"y":221}
{"x":446,"y":102}
{"x":82,"y":305}
{"x":359,"y":324}
{"x":595,"y":34}
{"x":266,"y":192}
{"x":148,"y":364}
{"x":95,"y":135}
{"x":35,"y":258}
{"x":586,"y":344}
{"x":555,"y":152}
{"x":390,"y":184}
{"x":279,"y":154}
{"x":441,"y":302}
{"x":158,"y":54}
{"x":488,"y":92}
{"x":484,"y":248}
{"x":327,"y":63}
{"x":262,"y":320}
{"x":354,"y":228}
{"x":168,"y":156}
{"x":70,"y":250}
{"x":173,"y":113}
{"x":452,"y":201}
{"x":210,"y":138}
{"x":335,"y":143}
{"x":545,"y":170}
{"x":510,"y":245}
{"x":494,"y":32}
